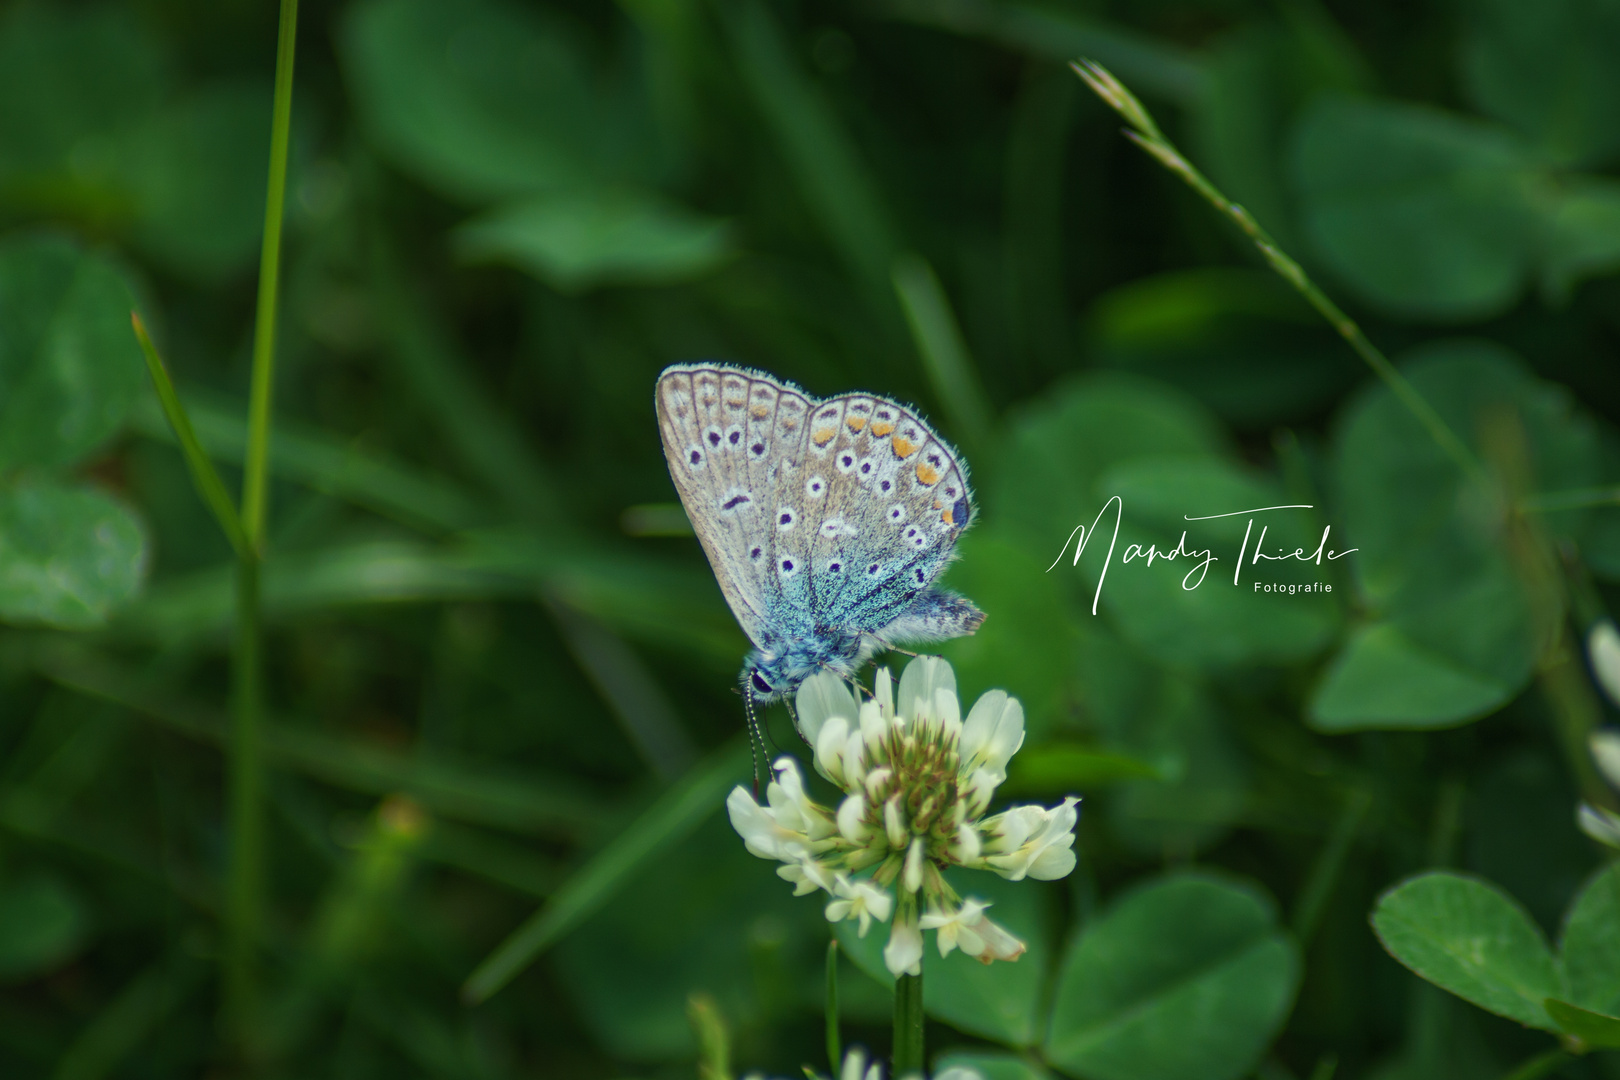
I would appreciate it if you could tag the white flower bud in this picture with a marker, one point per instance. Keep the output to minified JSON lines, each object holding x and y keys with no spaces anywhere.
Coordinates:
{"x":911,"y":878}
{"x":894,"y":823}
{"x":883,"y":691}
{"x":1600,"y":824}
{"x":903,"y":954}
{"x":1603,"y":651}
{"x":1606,"y":752}
{"x":829,"y":746}
{"x":874,"y":727}
{"x":967,"y":843}
{"x":918,"y":682}
{"x":753,"y":823}
{"x":851,"y":820}
{"x":820,"y":698}
{"x":992,"y":734}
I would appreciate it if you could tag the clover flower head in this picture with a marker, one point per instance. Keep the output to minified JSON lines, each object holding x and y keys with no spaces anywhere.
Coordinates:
{"x":917,"y":780}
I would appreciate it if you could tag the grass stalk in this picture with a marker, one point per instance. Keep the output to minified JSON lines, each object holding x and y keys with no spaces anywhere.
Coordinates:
{"x":245,"y":766}
{"x":1146,"y":134}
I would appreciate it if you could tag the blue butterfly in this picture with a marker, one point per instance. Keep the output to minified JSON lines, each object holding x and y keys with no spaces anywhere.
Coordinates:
{"x":826,"y":522}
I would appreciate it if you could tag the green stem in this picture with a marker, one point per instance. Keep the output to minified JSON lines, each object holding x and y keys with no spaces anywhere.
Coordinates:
{"x":835,"y":1049}
{"x":908,"y":1027}
{"x":1148,"y":136}
{"x":255,"y":480}
{"x":245,"y":766}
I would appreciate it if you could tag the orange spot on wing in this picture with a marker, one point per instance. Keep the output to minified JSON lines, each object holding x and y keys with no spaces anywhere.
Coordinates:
{"x":946,"y":517}
{"x":903,"y":447}
{"x":824,"y":436}
{"x":926,"y":474}
{"x":760,"y":412}
{"x":881,"y":428}
{"x":856,"y":423}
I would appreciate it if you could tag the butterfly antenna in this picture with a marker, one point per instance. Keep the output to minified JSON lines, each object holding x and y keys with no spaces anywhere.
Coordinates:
{"x":756,"y":741}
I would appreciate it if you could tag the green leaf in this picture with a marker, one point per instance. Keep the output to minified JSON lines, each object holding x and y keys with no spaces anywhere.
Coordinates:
{"x":485,"y":100}
{"x":998,"y":1001}
{"x":1384,"y":679}
{"x":69,"y":555}
{"x":1468,"y":937}
{"x":579,"y":241}
{"x":1548,"y":69}
{"x":1452,"y":630}
{"x":1423,"y":213}
{"x":69,"y":367}
{"x":1590,"y":949}
{"x":1594,"y":1029}
{"x":43,"y":924}
{"x":1187,"y":976}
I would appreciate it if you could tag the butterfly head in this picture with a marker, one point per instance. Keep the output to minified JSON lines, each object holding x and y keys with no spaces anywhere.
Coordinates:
{"x":771,"y":674}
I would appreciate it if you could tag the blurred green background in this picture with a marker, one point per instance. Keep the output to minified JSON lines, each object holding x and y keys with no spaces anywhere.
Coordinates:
{"x":499,"y":668}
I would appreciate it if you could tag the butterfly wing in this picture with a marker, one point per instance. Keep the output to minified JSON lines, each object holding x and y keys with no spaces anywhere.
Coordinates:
{"x":733,"y":440}
{"x":896,"y":500}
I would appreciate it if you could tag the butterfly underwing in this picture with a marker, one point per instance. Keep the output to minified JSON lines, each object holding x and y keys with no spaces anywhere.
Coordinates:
{"x":827,"y":522}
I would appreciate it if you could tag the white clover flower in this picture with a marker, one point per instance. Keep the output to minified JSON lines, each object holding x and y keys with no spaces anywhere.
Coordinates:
{"x":917,"y":779}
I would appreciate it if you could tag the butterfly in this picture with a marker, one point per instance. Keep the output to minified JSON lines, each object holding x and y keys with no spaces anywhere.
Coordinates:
{"x":827,"y":522}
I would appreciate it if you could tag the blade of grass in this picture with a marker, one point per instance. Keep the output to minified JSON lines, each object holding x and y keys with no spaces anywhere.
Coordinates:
{"x":682,"y":808}
{"x":1146,"y":134}
{"x":944,"y":353}
{"x":203,"y":476}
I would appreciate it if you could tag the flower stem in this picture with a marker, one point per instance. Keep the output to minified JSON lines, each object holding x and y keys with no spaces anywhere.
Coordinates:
{"x":908,"y":1027}
{"x":835,"y":1049}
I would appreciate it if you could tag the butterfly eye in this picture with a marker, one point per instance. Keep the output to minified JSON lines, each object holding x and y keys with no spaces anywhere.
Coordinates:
{"x":760,"y":684}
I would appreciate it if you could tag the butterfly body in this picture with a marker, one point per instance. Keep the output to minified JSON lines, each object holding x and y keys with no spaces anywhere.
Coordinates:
{"x":827,"y":522}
